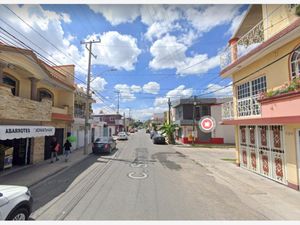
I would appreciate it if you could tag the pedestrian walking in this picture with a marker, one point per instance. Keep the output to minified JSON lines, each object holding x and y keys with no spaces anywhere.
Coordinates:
{"x":67,"y":147}
{"x":54,"y":149}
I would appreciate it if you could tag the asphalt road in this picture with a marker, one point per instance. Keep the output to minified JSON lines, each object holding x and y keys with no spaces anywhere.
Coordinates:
{"x":140,"y":181}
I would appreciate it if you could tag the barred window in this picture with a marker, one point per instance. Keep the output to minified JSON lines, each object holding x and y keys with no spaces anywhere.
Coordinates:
{"x":295,"y":64}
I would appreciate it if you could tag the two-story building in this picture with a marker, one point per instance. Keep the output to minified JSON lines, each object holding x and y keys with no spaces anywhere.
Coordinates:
{"x":36,"y":103}
{"x":113,"y":122}
{"x":263,"y":60}
{"x":77,"y":129}
{"x":189,"y":111}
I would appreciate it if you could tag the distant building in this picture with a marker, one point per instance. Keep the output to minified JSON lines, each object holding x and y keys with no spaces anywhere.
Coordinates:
{"x":158,"y":118}
{"x":114,"y":122}
{"x":184,"y":110}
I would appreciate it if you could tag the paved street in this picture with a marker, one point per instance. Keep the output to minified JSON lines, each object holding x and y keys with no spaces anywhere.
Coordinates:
{"x":139,"y":181}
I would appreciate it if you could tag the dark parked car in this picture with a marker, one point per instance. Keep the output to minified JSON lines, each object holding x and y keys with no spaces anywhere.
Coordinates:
{"x":104,"y":145}
{"x":147,"y":131}
{"x":152,"y":133}
{"x":158,"y":139}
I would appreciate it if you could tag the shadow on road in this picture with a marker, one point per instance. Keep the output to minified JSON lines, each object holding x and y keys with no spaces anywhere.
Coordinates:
{"x":55,"y":185}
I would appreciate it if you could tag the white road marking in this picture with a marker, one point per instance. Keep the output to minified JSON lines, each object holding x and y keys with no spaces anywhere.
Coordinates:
{"x":131,"y":175}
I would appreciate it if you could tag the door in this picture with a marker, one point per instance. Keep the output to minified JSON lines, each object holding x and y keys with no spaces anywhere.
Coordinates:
{"x":264,"y":150}
{"x":243,"y":147}
{"x":59,"y":134}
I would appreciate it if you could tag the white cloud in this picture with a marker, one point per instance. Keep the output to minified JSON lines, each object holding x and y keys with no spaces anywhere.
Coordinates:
{"x":98,"y":84}
{"x":206,"y":18}
{"x":147,"y":113}
{"x":218,"y":90}
{"x":117,"y":14}
{"x":177,"y":93}
{"x":136,"y":88}
{"x":115,"y":50}
{"x":151,"y":88}
{"x":164,"y":57}
{"x":126,"y":94}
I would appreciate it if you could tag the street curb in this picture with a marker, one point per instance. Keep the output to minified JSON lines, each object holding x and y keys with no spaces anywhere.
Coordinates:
{"x":46,"y":177}
{"x":56,"y":172}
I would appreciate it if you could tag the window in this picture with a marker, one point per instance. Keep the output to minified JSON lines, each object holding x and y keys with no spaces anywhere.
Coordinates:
{"x":44,"y":93}
{"x":247,"y":96}
{"x":111,"y":118}
{"x":205,"y":110}
{"x":12,"y":82}
{"x":295,"y":64}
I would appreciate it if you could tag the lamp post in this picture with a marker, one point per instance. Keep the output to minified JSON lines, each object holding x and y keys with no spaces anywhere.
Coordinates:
{"x":194,"y":104}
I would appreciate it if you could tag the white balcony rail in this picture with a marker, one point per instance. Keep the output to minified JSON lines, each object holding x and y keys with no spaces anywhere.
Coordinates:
{"x":227,"y":110}
{"x":246,"y":107}
{"x":245,"y":44}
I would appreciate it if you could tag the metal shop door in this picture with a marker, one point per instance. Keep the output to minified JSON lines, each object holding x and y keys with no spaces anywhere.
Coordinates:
{"x":252,"y":149}
{"x":277,"y":153}
{"x":244,"y":153}
{"x":264,"y":151}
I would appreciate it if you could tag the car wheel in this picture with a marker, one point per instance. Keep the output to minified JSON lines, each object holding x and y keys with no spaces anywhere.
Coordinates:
{"x":19,"y":214}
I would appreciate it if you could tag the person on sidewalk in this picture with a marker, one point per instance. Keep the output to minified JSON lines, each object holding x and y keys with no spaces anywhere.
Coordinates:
{"x":67,"y":147}
{"x":54,"y":149}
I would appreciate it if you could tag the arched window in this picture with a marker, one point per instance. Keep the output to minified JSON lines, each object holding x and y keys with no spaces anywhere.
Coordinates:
{"x":295,"y":64}
{"x":12,"y":82}
{"x":44,"y":93}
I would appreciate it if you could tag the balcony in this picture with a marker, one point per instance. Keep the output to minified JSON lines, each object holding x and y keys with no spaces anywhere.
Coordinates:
{"x":18,"y":108}
{"x":61,"y":113}
{"x":246,"y":107}
{"x":265,"y":32}
{"x":79,"y":113}
{"x":243,"y":45}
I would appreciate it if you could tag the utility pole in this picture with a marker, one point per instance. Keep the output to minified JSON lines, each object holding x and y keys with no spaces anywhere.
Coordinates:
{"x":194,"y":104}
{"x":124,"y":121}
{"x":169,"y":115}
{"x":118,"y":106}
{"x":87,"y":108}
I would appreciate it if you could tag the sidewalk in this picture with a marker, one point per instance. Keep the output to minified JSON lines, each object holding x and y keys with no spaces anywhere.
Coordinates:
{"x":272,"y":199}
{"x":32,"y":174}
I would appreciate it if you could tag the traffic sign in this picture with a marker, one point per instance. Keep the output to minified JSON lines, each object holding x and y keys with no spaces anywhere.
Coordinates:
{"x":207,"y":124}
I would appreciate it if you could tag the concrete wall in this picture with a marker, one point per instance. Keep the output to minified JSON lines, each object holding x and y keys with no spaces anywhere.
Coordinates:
{"x":222,"y":131}
{"x":276,"y":17}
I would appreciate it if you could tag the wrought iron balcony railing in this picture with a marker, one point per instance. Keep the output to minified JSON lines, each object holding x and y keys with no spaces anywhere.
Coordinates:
{"x":245,"y":44}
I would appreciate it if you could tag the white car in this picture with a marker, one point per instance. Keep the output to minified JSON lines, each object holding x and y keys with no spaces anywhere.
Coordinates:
{"x":122,"y":136}
{"x":15,"y":202}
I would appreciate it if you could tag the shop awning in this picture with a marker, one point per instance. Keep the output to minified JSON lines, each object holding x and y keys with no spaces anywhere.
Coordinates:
{"x":11,"y":131}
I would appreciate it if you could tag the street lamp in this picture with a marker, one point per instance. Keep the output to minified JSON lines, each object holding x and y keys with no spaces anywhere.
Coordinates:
{"x":194,"y":105}
{"x":109,"y":70}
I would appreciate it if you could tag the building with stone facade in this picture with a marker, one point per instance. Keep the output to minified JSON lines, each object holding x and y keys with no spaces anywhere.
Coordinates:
{"x":36,"y":103}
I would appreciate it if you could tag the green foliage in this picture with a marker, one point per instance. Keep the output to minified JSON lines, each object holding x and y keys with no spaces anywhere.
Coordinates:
{"x":293,"y":86}
{"x":297,"y":10}
{"x":169,"y":130}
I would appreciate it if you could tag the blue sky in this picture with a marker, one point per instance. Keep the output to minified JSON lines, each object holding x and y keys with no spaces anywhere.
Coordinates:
{"x":158,"y":51}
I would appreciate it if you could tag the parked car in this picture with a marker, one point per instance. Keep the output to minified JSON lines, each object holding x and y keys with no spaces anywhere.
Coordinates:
{"x":158,"y":139}
{"x":15,"y":202}
{"x":147,"y":131}
{"x":122,"y":136}
{"x":104,"y":145}
{"x":152,"y":133}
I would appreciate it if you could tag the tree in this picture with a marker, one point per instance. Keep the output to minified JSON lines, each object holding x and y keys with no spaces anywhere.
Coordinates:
{"x":169,"y":130}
